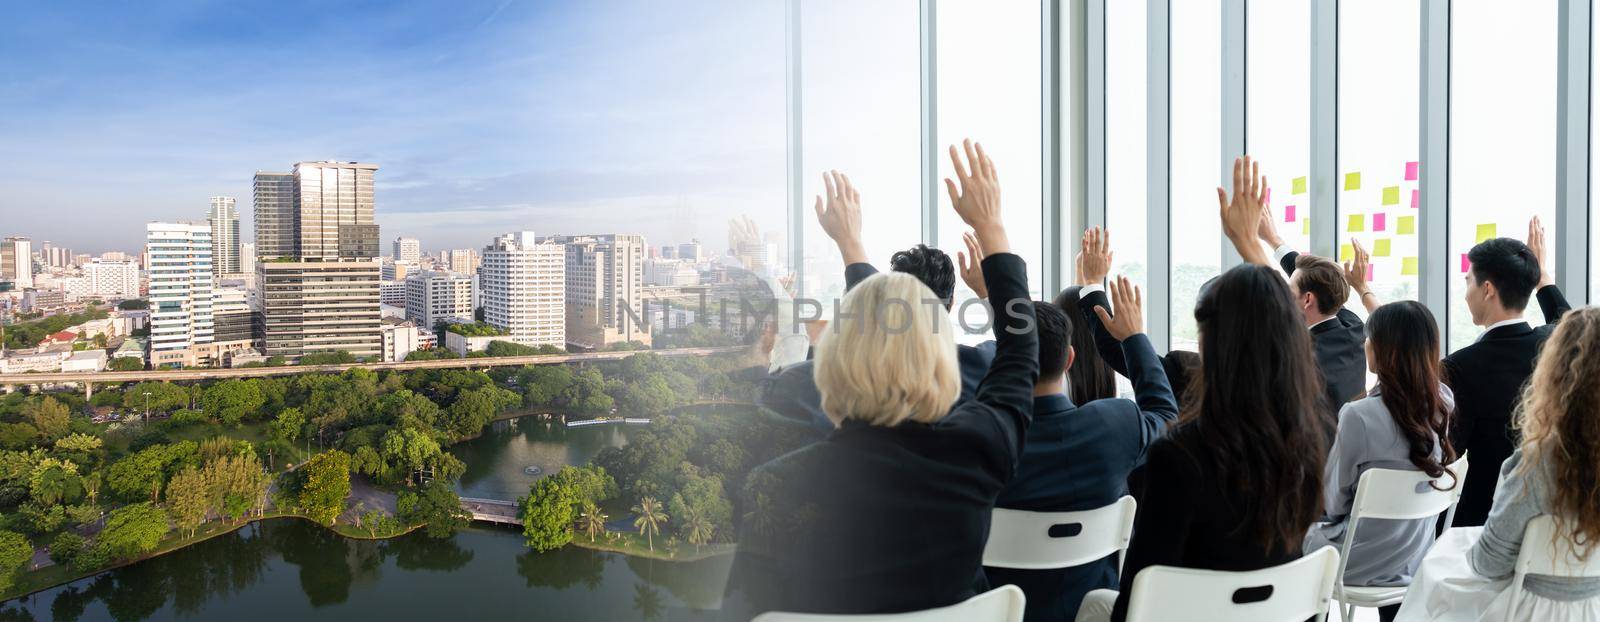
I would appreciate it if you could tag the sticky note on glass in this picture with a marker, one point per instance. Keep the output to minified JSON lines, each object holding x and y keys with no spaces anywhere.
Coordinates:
{"x":1391,"y":195}
{"x":1299,"y":185}
{"x":1357,"y":223}
{"x":1267,"y":199}
{"x":1416,"y":199}
{"x":1486,"y":232}
{"x":1380,"y":222}
{"x":1346,"y":252}
{"x":1369,"y":271}
{"x":1380,"y":248}
{"x":1408,"y":266}
{"x":1411,"y":171}
{"x":1288,"y":213}
{"x":1407,"y":225}
{"x":1305,"y":227}
{"x":1466,"y":264}
{"x":1352,"y":181}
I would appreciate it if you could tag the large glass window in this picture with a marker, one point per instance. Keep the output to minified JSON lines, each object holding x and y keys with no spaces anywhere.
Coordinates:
{"x":1278,"y":109}
{"x":1196,"y":113}
{"x":1380,"y":50}
{"x":1126,"y":196}
{"x":1502,"y":134}
{"x":860,"y":74}
{"x":989,"y":91}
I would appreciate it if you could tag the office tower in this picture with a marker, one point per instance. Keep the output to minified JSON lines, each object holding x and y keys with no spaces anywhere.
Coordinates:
{"x":334,"y":208}
{"x":603,"y":277}
{"x":181,"y":279}
{"x":53,"y":256}
{"x":16,"y":262}
{"x":247,"y":258}
{"x":111,"y":279}
{"x":224,"y":222}
{"x":319,"y":306}
{"x":668,"y":251}
{"x":407,"y":249}
{"x":432,"y":297}
{"x":522,"y":285}
{"x":689,"y":250}
{"x":392,"y":293}
{"x":275,"y":214}
{"x":231,"y":321}
{"x":463,"y":261}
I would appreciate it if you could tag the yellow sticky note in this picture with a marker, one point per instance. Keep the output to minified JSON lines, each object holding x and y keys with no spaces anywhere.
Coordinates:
{"x":1357,"y":223}
{"x":1299,"y":185}
{"x":1380,"y":248}
{"x":1352,"y":181}
{"x":1408,"y":266}
{"x":1346,"y":252}
{"x":1391,"y":195}
{"x":1407,"y":225}
{"x":1305,"y":227}
{"x":1486,"y":232}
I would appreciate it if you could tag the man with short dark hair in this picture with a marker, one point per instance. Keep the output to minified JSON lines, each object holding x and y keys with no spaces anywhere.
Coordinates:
{"x":1338,"y":336}
{"x":1077,"y":457}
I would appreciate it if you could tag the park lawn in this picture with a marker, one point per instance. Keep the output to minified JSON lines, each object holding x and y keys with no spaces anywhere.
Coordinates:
{"x":631,"y":543}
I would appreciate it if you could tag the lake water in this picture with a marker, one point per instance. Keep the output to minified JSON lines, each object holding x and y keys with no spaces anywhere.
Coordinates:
{"x":496,"y":461}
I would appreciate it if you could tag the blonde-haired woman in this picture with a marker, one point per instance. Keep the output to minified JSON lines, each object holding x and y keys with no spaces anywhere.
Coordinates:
{"x":1555,"y":471}
{"x":890,"y":512}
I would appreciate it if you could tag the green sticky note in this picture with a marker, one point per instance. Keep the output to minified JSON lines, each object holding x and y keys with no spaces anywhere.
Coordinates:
{"x":1305,"y":227}
{"x":1391,"y":195}
{"x":1357,"y":223}
{"x":1380,"y":248}
{"x":1352,"y":181}
{"x":1486,"y":232}
{"x":1408,"y":266}
{"x":1299,"y":185}
{"x":1407,"y":225}
{"x":1346,"y":252}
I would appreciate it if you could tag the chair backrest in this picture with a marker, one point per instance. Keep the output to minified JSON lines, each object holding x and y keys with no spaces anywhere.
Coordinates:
{"x":1002,"y":604}
{"x":1044,"y":540}
{"x":1544,"y":554}
{"x":1298,"y":590}
{"x":1407,"y":494}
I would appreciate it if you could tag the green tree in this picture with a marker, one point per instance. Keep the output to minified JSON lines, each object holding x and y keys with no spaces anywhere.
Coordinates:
{"x":133,"y":530}
{"x":409,"y":449}
{"x":54,"y":481}
{"x":189,"y":499}
{"x":696,"y":529}
{"x":66,"y":547}
{"x":287,"y":425}
{"x":126,"y":363}
{"x":232,"y":401}
{"x":649,"y":520}
{"x":50,"y":417}
{"x":435,"y":505}
{"x":592,"y":520}
{"x":546,"y":515}
{"x":326,"y":486}
{"x":15,"y":551}
{"x":164,"y":397}
{"x":79,"y":443}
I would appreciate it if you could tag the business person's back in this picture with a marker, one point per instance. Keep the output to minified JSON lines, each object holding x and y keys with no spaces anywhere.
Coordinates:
{"x":792,"y":392}
{"x":1339,"y":344}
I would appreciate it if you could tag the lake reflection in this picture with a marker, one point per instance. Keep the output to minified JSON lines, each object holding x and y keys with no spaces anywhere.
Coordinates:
{"x":497,"y":459}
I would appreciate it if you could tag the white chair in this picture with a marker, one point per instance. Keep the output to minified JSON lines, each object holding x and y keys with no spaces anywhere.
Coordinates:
{"x":1544,"y":554}
{"x":1021,"y":539}
{"x":1002,"y":604}
{"x":1398,"y":495}
{"x":1298,"y":590}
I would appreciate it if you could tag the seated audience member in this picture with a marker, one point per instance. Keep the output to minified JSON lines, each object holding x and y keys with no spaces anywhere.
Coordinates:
{"x":891,"y":511}
{"x":791,"y":392}
{"x":1320,"y":290}
{"x":1488,"y":375}
{"x":1237,"y":481}
{"x":1402,"y":423}
{"x":1093,"y":264}
{"x":1077,"y":457}
{"x":1554,"y":471}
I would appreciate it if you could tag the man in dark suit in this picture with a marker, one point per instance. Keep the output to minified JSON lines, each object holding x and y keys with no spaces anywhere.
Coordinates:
{"x":1338,"y":336}
{"x":1487,"y":376}
{"x":1077,"y":457}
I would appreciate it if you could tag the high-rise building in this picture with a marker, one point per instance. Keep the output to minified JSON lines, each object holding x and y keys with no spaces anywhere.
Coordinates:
{"x":668,"y":251}
{"x":407,"y":249}
{"x":224,"y":220}
{"x":16,"y":262}
{"x":111,"y":279}
{"x":464,"y":261}
{"x":689,"y":250}
{"x":319,"y":306}
{"x":399,"y":270}
{"x":334,"y":209}
{"x":432,"y":297}
{"x":522,"y":287}
{"x":275,"y":214}
{"x":604,"y":274}
{"x":181,"y":280}
{"x":53,"y":256}
{"x":114,"y":256}
{"x":392,"y":293}
{"x":247,"y":258}
{"x":231,"y":321}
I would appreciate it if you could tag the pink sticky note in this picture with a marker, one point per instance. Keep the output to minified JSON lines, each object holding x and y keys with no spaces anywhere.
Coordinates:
{"x":1288,"y":213}
{"x":1369,"y":271}
{"x":1378,"y":221}
{"x":1416,"y":199}
{"x":1465,"y":263}
{"x":1268,"y":198}
{"x":1411,"y":171}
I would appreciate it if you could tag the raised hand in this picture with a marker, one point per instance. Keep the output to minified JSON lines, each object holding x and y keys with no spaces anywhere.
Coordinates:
{"x":1267,"y":227}
{"x":972,"y":265}
{"x":840,"y":216}
{"x":1241,"y":213}
{"x":1355,"y":273}
{"x":978,"y":198}
{"x":1094,"y":257}
{"x":1129,"y":303}
{"x":1540,"y":251}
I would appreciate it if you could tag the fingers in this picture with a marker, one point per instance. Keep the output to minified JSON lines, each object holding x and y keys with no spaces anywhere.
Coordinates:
{"x":961,"y":257}
{"x":1104,"y":236}
{"x":1105,"y":318}
{"x":955,"y":197}
{"x":973,"y":162}
{"x":855,"y":197}
{"x":984,"y":162}
{"x":1222,"y":199}
{"x":827,"y":183}
{"x":818,"y":207}
{"x":972,"y":244}
{"x":1238,"y":179}
{"x":961,"y":170}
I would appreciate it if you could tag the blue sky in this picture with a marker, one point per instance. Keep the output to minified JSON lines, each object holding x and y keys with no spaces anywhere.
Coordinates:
{"x":661,"y":118}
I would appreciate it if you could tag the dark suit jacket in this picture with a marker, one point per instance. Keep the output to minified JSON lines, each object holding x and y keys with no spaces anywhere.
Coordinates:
{"x":1340,"y":347}
{"x":1078,"y":458}
{"x":1178,"y":365}
{"x":890,"y":519}
{"x":1487,"y":379}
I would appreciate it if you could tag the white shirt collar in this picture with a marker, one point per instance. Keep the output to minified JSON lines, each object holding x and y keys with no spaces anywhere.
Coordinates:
{"x":1324,"y":321}
{"x":1510,"y":322}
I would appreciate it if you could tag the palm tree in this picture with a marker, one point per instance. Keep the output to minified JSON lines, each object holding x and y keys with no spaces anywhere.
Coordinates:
{"x":650,"y":519}
{"x":697,"y":530}
{"x":593,"y":520}
{"x":647,"y":602}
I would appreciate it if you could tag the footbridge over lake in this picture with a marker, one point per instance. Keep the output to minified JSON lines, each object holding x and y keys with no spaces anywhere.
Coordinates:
{"x":491,"y":510}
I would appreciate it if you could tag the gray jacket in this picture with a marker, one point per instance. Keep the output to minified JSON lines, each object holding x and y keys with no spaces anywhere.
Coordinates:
{"x":1520,"y":498}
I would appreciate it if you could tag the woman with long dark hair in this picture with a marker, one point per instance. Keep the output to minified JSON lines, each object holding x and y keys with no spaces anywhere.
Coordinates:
{"x":1088,"y":378}
{"x":1402,"y":423}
